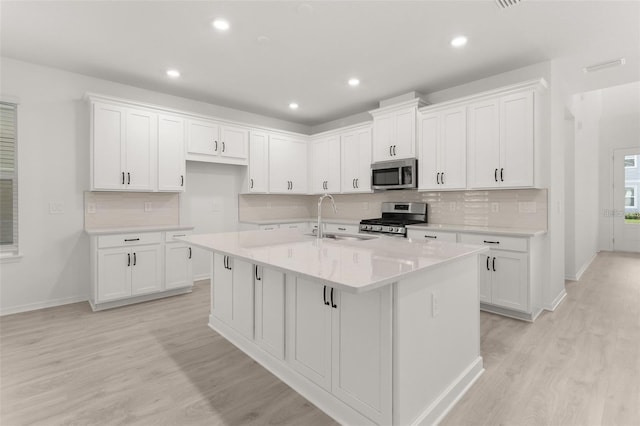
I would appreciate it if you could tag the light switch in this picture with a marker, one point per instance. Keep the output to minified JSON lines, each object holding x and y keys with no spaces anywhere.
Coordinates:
{"x":495,"y":207}
{"x":147,"y":206}
{"x":527,"y":207}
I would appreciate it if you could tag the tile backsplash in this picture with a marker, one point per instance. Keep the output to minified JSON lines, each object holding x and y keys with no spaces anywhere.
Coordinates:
{"x":507,"y":208}
{"x":122,"y":209}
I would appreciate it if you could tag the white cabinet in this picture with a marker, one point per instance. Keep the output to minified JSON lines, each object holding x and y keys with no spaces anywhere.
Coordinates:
{"x":501,"y":142}
{"x":216,"y":142}
{"x":394,"y":131}
{"x":171,"y":161}
{"x":178,"y":264}
{"x":325,"y":160}
{"x":427,"y":235}
{"x":124,"y":145}
{"x":270,"y":310}
{"x":234,"y":141}
{"x":287,"y":165}
{"x":442,"y":147}
{"x":202,"y":137}
{"x":356,"y":160}
{"x":233,"y":293}
{"x":258,"y":162}
{"x":342,"y":342}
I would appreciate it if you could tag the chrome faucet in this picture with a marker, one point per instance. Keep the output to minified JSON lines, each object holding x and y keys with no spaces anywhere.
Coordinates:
{"x":335,"y":210}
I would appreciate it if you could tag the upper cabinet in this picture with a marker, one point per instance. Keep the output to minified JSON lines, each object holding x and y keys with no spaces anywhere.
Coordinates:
{"x":442,"y":149}
{"x":287,"y":165}
{"x":210,"y":141}
{"x":325,"y":162}
{"x":171,"y":162}
{"x":124,"y":144}
{"x":355,"y":148}
{"x":394,"y":131}
{"x":258,"y":179}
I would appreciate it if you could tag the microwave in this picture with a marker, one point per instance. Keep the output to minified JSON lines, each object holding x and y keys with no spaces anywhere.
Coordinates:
{"x":395,"y":174}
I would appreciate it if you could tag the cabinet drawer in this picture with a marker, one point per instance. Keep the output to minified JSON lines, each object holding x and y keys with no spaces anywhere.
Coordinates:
{"x":294,"y":225}
{"x":170,"y":235}
{"x":341,"y":228}
{"x":417,"y":234}
{"x":120,"y":240}
{"x":496,"y":242}
{"x":268,"y":227}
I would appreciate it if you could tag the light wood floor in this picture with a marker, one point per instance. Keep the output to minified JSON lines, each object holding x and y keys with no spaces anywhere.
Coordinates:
{"x":158,"y":363}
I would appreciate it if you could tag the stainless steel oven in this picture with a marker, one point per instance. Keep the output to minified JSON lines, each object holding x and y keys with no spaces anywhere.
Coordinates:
{"x":396,"y":174}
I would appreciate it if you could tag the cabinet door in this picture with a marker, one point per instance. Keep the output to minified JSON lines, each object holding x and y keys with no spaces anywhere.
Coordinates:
{"x":452,"y":149}
{"x":320,"y":165}
{"x":383,"y":137}
{"x":430,"y":134}
{"x":362,"y":352}
{"x":178,"y":267}
{"x":310,"y":332}
{"x":516,"y":140}
{"x":171,"y":161}
{"x":404,"y":145}
{"x":484,"y":278}
{"x":108,"y":153}
{"x":270,"y":299}
{"x":355,"y":161}
{"x":141,"y":150}
{"x":296,"y":162}
{"x":484,"y":144}
{"x":279,"y":159}
{"x":114,"y":274}
{"x":509,"y":283}
{"x":242,"y":298}
{"x":146,"y":269}
{"x":222,"y":289}
{"x":235,"y":142}
{"x":203,"y":137}
{"x":333,"y":165}
{"x":258,"y":162}
{"x":363,"y":177}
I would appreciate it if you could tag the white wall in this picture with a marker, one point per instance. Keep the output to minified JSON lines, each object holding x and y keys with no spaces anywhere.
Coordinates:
{"x":53,"y":161}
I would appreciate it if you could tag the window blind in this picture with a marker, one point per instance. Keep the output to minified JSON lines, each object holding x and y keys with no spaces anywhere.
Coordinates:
{"x":8,"y":178}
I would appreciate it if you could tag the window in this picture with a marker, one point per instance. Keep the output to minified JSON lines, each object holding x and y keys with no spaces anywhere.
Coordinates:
{"x":8,"y":179}
{"x":630,"y":161}
{"x":630,"y":197}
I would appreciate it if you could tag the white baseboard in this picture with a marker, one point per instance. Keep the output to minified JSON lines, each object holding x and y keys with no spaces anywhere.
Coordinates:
{"x":581,"y":271}
{"x":554,"y":304}
{"x":201,"y":277}
{"x":41,"y":305}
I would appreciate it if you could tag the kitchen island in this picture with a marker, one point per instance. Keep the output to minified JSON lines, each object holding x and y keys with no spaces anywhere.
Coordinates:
{"x":379,"y":330}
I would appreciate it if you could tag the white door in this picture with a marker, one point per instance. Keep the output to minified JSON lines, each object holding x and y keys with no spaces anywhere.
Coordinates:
{"x":383,"y":137}
{"x":146,"y":269}
{"x":203,"y":137}
{"x":141,"y":150}
{"x":362,"y":352}
{"x":222,"y":289}
{"x":404,"y":145}
{"x":108,"y":147}
{"x":516,"y":140}
{"x":258,"y":162}
{"x":509,"y":283}
{"x":171,"y":162}
{"x":234,"y":142}
{"x":114,"y":274}
{"x":310,"y":332}
{"x":429,"y":177}
{"x":484,"y":144}
{"x":626,"y":203}
{"x":452,"y":149}
{"x":178,"y":268}
{"x":270,"y":310}
{"x":243,"y":303}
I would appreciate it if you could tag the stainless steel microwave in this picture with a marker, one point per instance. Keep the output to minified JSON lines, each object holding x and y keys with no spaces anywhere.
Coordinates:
{"x":395,"y":174}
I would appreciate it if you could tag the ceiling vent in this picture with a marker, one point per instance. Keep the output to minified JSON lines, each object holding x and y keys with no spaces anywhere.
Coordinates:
{"x":505,"y":4}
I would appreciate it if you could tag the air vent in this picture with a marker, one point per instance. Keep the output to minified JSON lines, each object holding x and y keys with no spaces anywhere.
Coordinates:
{"x":505,"y":4}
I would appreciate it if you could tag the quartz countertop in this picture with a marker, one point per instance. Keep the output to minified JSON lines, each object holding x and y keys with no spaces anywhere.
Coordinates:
{"x":515,"y":232}
{"x":132,"y":229}
{"x":353,"y":266}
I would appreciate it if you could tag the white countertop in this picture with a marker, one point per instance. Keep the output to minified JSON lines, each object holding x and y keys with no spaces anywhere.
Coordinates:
{"x":298,"y":220}
{"x":515,"y":232}
{"x":133,"y":229}
{"x":354,"y":266}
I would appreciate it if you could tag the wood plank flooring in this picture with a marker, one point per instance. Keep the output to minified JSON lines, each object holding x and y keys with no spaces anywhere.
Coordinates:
{"x":158,"y":363}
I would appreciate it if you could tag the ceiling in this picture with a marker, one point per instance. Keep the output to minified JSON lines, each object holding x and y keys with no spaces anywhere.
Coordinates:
{"x":277,"y":52}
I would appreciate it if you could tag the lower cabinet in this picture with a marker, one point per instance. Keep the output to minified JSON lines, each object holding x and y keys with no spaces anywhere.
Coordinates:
{"x":178,"y":269}
{"x":233,"y":293}
{"x":270,"y":310}
{"x":125,"y":272}
{"x":503,"y":279}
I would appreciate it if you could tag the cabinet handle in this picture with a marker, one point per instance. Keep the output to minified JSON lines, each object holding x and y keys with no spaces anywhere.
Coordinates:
{"x":128,"y":259}
{"x":488,"y":263}
{"x":431,"y":236}
{"x":501,"y":178}
{"x":390,"y":150}
{"x":491,"y":242}
{"x":222,"y":146}
{"x":229,"y":263}
{"x":324,"y":295}
{"x":216,"y":147}
{"x":123,"y":178}
{"x":291,"y":185}
{"x":224,"y":262}
{"x":394,"y":150}
{"x":178,"y":235}
{"x":438,"y":178}
{"x":257,"y":277}
{"x":494,"y":264}
{"x":128,"y":178}
{"x":190,"y":253}
{"x":333,"y":305}
{"x":357,"y":183}
{"x":353,"y":183}
{"x":495,"y":174}
{"x":442,"y":178}
{"x":181,"y":180}
{"x":126,"y":240}
{"x":251,"y":185}
{"x":342,"y":229}
{"x":134,"y":259}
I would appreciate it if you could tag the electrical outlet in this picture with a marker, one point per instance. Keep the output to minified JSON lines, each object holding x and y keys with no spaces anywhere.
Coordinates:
{"x":495,"y":207}
{"x":147,"y":206}
{"x":91,"y":207}
{"x":56,"y":207}
{"x":435,"y":304}
{"x":527,"y":207}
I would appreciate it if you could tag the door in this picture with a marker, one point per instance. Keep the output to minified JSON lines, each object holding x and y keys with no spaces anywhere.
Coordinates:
{"x":484,"y":278}
{"x":114,"y":274}
{"x":626,"y":204}
{"x":203,"y":137}
{"x":234,"y":142}
{"x":362,"y":352}
{"x":310,"y":328}
{"x":452,"y":149}
{"x":171,"y":161}
{"x":484,"y":144}
{"x":429,"y":173}
{"x":146,"y":269}
{"x":222,"y":289}
{"x":178,"y":268}
{"x":405,"y":135}
{"x":242,"y":299}
{"x":509,"y":283}
{"x":108,"y":147}
{"x":141,"y":149}
{"x":383,"y":137}
{"x":516,"y":140}
{"x":258,"y":162}
{"x":270,"y":310}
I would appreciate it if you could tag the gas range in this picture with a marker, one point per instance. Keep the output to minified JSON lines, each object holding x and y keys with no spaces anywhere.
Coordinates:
{"x":395,"y":218}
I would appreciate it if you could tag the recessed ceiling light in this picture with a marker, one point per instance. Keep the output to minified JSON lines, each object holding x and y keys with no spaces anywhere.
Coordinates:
{"x":293,"y":105}
{"x":353,"y":82}
{"x":459,"y":41}
{"x":173,"y":73}
{"x":220,"y":24}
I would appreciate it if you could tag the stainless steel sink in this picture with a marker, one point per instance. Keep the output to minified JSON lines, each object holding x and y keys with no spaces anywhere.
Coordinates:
{"x":344,"y":237}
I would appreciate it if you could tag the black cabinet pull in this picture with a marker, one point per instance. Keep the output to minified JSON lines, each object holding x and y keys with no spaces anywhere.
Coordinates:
{"x":216,"y":147}
{"x":494,"y":264}
{"x":123,"y":178}
{"x":438,"y":178}
{"x":324,"y":295}
{"x":181,"y":180}
{"x":229,"y":263}
{"x":190,"y":253}
{"x":491,"y":242}
{"x":128,"y":178}
{"x":431,"y":236}
{"x":223,"y":146}
{"x":357,"y":184}
{"x":251,"y":185}
{"x":224,"y":262}
{"x":178,"y":235}
{"x":390,"y":150}
{"x":292,"y":185}
{"x":131,"y":239}
{"x":495,"y":175}
{"x":353,"y":183}
{"x":442,"y":178}
{"x":333,"y":305}
{"x":128,"y":259}
{"x":134,"y":259}
{"x":257,"y":277}
{"x":501,"y":178}
{"x":488,"y":263}
{"x":342,"y":229}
